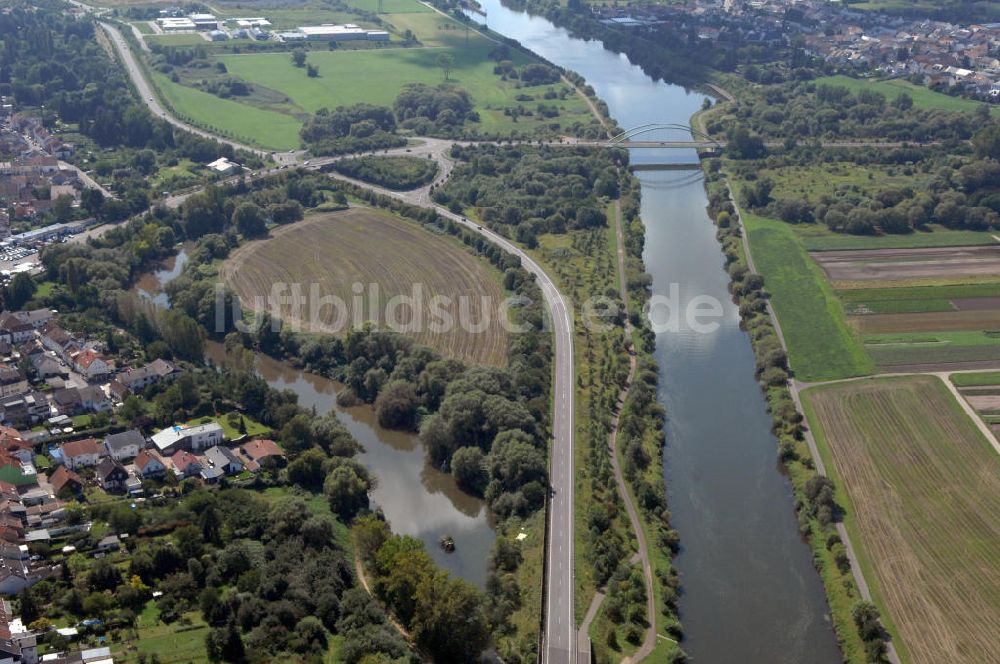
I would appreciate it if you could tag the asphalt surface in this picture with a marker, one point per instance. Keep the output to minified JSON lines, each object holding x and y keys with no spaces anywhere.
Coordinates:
{"x":559,"y":640}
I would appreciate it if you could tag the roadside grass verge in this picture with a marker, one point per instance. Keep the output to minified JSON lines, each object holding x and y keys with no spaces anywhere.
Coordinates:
{"x":820,"y":344}
{"x":920,"y":488}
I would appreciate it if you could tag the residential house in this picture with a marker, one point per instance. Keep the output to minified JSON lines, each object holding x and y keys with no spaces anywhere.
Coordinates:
{"x":13,"y":329}
{"x":12,"y":381}
{"x":67,"y":401}
{"x":111,"y":475}
{"x":262,"y":453}
{"x":81,"y":453}
{"x":65,"y":482}
{"x":185,"y":464}
{"x":11,"y":442}
{"x":124,"y":445}
{"x":46,"y":366}
{"x":91,"y":364}
{"x":223,"y":459}
{"x":93,"y":399}
{"x":193,"y":438}
{"x":37,"y":318}
{"x":109,"y":543}
{"x":136,"y":380}
{"x":55,"y":338}
{"x":149,"y":464}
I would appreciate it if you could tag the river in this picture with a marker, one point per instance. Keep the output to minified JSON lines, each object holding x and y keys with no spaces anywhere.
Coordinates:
{"x":417,"y":499}
{"x":750,"y":592}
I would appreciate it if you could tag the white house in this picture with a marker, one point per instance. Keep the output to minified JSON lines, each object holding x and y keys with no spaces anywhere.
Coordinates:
{"x":81,"y":453}
{"x":194,"y":438}
{"x":124,"y":445}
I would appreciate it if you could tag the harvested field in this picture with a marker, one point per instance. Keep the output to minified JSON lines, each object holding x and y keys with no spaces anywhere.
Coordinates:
{"x":890,"y":264}
{"x":976,"y":303}
{"x":936,"y":321}
{"x":920,"y":485}
{"x":361,"y":261}
{"x":911,"y":358}
{"x":984,"y":402}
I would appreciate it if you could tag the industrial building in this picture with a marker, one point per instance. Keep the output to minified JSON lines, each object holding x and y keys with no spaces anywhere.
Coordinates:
{"x":347,"y":32}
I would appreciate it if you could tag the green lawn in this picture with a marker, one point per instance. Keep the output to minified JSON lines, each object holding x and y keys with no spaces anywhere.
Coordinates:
{"x":270,"y":130}
{"x":170,"y":643}
{"x":820,"y":344}
{"x":253,"y":427}
{"x":390,"y":6}
{"x":143,"y":27}
{"x":924,"y":98}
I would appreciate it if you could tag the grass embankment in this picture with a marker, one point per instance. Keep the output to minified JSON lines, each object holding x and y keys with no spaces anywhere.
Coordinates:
{"x":921,"y":490}
{"x":923,"y":98}
{"x":820,"y":344}
{"x":336,"y":251}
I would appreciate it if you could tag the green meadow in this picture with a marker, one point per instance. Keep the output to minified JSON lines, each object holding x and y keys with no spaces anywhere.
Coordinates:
{"x":820,"y":344}
{"x":241,"y":122}
{"x":924,"y":98}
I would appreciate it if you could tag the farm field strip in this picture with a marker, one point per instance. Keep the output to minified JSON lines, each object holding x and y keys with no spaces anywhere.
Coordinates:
{"x":946,"y":321}
{"x":921,"y":488}
{"x":364,"y":246}
{"x":888,"y":264}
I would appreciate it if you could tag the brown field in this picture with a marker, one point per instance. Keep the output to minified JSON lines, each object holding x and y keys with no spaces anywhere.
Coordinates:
{"x":984,"y":402}
{"x":938,"y":321}
{"x":976,"y":303}
{"x":342,"y":253}
{"x":921,"y":489}
{"x":890,"y":264}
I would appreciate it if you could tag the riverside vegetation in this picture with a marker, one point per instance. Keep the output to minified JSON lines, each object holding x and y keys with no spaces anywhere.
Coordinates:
{"x":559,"y":202}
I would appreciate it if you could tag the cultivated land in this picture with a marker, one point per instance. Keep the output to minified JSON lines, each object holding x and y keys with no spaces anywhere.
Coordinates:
{"x":921,"y":489}
{"x":982,"y":391}
{"x":923,"y":97}
{"x":882,"y":264}
{"x":369,"y":246}
{"x":928,"y":309}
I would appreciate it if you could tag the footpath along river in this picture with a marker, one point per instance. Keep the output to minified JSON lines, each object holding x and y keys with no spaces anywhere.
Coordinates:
{"x":751,"y":595}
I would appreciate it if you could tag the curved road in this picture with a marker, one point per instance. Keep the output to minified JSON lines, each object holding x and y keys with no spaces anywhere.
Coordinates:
{"x":559,"y":638}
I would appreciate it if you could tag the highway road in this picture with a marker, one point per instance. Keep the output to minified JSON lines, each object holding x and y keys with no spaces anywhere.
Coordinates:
{"x":559,"y":638}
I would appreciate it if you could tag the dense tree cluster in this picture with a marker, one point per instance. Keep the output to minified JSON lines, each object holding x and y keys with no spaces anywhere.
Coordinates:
{"x":354,"y":128}
{"x":445,"y":615}
{"x":391,"y":172}
{"x":528,"y":191}
{"x":430,"y":110}
{"x":805,"y":109}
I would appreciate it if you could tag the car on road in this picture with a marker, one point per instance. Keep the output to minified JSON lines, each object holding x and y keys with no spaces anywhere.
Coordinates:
{"x":479,"y":228}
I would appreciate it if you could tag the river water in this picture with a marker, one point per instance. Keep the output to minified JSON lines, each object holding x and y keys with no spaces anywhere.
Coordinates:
{"x":417,"y":499}
{"x":751,"y":595}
